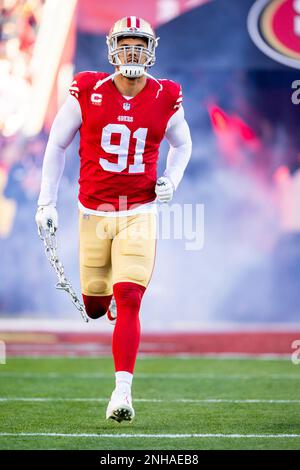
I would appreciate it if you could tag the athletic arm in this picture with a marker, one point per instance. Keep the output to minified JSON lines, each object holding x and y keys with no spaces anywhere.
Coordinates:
{"x":179,"y":138}
{"x":65,"y":125}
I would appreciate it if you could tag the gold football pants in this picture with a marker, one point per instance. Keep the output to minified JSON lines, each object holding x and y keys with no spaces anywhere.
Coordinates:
{"x":115,"y":249}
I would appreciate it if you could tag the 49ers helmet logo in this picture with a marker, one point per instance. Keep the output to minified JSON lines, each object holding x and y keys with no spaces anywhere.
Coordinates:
{"x":274,"y":26}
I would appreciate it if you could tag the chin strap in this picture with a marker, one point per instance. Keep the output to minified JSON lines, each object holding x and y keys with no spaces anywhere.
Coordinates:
{"x":113,"y":75}
{"x":110,"y":77}
{"x":159,"y":84}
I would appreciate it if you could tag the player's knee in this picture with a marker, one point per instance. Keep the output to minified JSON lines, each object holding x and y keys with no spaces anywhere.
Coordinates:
{"x":95,"y":286}
{"x":96,"y":306}
{"x":128,"y":295}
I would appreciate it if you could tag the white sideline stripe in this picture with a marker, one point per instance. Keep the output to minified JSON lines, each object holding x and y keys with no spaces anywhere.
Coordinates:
{"x":147,"y":400}
{"x":72,"y":324}
{"x":178,"y":375}
{"x":153,"y":436}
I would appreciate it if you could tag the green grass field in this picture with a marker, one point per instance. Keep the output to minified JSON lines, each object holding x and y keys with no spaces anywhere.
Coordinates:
{"x":171,"y":400}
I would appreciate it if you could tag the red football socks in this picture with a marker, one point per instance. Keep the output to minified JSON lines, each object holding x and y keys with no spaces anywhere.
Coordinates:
{"x":96,"y":306}
{"x":126,"y":336}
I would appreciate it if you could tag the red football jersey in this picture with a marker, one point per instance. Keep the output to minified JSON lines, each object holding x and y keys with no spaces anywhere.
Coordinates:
{"x":119,"y":140}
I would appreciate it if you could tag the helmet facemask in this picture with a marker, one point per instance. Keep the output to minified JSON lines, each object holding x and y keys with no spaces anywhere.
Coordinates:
{"x":131,"y":60}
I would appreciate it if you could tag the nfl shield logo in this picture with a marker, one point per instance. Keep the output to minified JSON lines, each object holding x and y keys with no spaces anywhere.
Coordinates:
{"x":126,"y":106}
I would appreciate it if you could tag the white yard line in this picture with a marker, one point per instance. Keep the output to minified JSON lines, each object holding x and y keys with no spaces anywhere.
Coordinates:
{"x":149,"y":400}
{"x":162,"y":375}
{"x":154,"y":436}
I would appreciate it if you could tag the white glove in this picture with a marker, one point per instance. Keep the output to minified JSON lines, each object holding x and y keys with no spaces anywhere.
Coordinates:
{"x":164,"y":189}
{"x":46,"y":218}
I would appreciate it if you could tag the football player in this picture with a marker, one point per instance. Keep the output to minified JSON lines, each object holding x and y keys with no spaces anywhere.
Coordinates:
{"x":122,"y":119}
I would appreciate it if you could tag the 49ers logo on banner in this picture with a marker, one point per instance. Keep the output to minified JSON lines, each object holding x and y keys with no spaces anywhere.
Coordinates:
{"x":274,"y":26}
